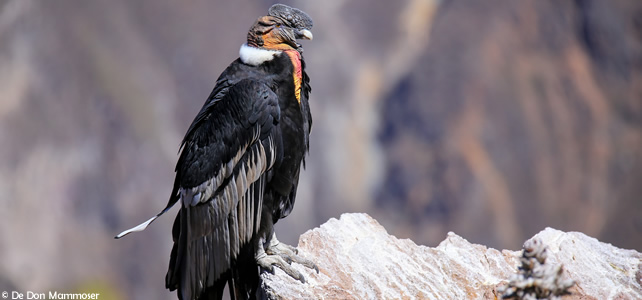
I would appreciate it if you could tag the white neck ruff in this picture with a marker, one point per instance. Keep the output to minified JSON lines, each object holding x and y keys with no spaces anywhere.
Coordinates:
{"x":256,"y":56}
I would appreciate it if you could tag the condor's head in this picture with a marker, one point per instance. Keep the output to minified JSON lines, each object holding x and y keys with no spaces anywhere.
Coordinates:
{"x":280,"y":29}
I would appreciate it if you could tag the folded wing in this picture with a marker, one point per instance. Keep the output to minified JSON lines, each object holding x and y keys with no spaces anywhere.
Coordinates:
{"x":220,"y":179}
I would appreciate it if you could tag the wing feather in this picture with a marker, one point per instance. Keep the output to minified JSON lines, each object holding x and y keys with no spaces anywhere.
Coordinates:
{"x":221,"y":184}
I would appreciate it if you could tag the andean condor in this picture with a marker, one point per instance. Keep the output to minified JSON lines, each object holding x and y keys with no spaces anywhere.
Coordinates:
{"x":239,"y":166}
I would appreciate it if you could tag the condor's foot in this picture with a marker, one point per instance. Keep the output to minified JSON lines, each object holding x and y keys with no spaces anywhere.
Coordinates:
{"x":282,"y":256}
{"x":288,"y":253}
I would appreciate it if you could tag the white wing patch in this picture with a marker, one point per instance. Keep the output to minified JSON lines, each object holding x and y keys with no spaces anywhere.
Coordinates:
{"x":257,"y":164}
{"x":256,"y":56}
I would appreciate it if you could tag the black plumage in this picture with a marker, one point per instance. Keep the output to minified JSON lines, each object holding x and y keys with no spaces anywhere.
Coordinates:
{"x":239,"y":165}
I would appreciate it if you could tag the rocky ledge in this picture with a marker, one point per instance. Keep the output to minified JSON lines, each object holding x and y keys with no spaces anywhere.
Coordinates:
{"x":358,"y":259}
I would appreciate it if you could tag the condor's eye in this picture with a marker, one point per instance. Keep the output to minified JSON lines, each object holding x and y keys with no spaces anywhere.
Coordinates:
{"x":278,"y":25}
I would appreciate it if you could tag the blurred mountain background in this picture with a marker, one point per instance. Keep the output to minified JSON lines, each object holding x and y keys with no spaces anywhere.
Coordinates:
{"x":492,"y":119}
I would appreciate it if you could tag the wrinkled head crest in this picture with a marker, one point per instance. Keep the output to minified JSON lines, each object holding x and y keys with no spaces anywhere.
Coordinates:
{"x":294,"y":17}
{"x":277,"y":31}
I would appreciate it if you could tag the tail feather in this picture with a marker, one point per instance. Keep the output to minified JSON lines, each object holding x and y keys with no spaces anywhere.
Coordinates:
{"x":245,"y":275}
{"x":216,"y":291}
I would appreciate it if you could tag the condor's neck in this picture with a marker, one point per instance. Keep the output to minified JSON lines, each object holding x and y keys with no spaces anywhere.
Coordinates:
{"x":256,"y":56}
{"x":297,"y":72}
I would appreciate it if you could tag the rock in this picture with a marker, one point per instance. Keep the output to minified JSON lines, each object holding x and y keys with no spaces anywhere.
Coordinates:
{"x":358,"y":259}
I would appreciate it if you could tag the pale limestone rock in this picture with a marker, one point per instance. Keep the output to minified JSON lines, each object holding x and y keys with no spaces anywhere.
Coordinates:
{"x":601,"y":270}
{"x":358,"y":259}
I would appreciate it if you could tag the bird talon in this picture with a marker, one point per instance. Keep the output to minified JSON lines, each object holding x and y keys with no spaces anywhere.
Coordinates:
{"x":287,"y":259}
{"x":289,"y":254}
{"x":282,"y":256}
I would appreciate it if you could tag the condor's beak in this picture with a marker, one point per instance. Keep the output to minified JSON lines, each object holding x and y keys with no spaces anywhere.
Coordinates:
{"x":304,"y":34}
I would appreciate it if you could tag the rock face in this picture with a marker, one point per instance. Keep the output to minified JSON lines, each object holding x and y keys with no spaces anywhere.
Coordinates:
{"x":358,"y":259}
